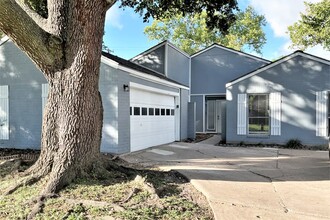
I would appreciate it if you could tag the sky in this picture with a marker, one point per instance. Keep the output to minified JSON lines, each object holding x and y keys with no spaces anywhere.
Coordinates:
{"x":124,"y":29}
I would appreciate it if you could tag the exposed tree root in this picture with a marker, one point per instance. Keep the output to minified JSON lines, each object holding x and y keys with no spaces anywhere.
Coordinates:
{"x":40,"y":202}
{"x":23,"y":182}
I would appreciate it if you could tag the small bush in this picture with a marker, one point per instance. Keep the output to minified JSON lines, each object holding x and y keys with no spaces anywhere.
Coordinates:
{"x":293,"y":144}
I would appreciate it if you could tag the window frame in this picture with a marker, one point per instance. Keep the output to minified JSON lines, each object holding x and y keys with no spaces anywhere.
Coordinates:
{"x":259,"y":133}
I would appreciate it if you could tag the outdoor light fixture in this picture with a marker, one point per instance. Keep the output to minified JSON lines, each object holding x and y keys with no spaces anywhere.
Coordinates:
{"x":126,"y":88}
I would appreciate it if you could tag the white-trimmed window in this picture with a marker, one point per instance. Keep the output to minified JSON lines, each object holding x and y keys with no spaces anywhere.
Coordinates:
{"x":258,"y":113}
{"x":4,"y":113}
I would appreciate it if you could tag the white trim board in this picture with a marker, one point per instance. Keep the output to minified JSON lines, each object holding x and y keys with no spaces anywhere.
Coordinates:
{"x":152,"y":89}
{"x":209,"y":94}
{"x":230,"y":50}
{"x":140,"y":74}
{"x":4,"y":40}
{"x":297,"y":53}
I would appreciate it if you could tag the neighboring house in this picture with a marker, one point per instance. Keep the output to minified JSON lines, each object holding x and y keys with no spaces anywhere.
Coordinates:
{"x":287,"y":99}
{"x":211,"y":69}
{"x":142,"y":108}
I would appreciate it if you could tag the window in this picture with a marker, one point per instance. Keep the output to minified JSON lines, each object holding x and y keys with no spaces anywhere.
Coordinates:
{"x":136,"y":110}
{"x":162,"y":111}
{"x":151,"y":111}
{"x":172,"y":111}
{"x":144,"y":111}
{"x":130,"y":110}
{"x":168,"y":111}
{"x":156,"y":111}
{"x":211,"y":114}
{"x":258,"y":114}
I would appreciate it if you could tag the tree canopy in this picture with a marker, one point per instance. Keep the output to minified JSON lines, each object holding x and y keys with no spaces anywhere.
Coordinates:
{"x":313,"y":28}
{"x":190,"y":32}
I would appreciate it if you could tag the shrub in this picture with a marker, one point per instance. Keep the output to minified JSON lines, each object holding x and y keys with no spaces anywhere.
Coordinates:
{"x":293,"y":144}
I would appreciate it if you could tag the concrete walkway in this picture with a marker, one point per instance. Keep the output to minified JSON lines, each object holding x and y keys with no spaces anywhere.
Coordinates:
{"x":250,"y":183}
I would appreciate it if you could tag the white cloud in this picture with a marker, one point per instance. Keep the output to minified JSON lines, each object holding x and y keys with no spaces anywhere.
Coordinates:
{"x":113,"y":17}
{"x":280,"y":13}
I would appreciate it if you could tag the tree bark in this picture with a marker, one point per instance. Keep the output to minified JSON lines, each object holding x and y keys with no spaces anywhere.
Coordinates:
{"x":72,"y":120}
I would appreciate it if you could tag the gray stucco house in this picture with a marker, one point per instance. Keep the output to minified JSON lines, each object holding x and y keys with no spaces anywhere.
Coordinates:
{"x":164,"y":95}
{"x":142,"y":108}
{"x":211,"y":69}
{"x":286,"y":99}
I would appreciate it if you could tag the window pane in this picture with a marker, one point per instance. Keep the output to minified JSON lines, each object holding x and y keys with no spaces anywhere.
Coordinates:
{"x":156,"y":111}
{"x":258,"y":125}
{"x":144,"y":111}
{"x":130,"y":110}
{"x":151,"y":111}
{"x":211,"y":114}
{"x":172,"y":111}
{"x":168,"y":112}
{"x":162,"y":111}
{"x":136,"y":110}
{"x":258,"y":106}
{"x":258,"y":114}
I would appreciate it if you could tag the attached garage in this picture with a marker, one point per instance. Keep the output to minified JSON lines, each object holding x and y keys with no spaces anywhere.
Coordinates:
{"x":153,"y":116}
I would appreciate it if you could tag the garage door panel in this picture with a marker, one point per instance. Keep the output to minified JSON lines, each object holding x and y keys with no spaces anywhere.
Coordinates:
{"x":151,"y":130}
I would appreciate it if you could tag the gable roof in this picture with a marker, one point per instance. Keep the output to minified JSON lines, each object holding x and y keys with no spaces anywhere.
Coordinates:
{"x":163,"y":43}
{"x":215,"y":45}
{"x":275,"y":63}
{"x":114,"y":61}
{"x":131,"y":65}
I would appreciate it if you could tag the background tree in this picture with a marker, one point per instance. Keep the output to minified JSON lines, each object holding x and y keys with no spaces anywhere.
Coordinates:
{"x":64,"y":39}
{"x":313,"y":28}
{"x":190,"y":32}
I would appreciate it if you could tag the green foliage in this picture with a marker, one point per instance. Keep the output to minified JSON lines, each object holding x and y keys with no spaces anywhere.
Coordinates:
{"x":313,"y":28}
{"x":190,"y":32}
{"x":220,"y":14}
{"x":40,"y":6}
{"x":293,"y":144}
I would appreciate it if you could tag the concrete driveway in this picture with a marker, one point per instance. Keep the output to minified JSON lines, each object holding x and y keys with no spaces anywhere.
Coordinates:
{"x":250,"y":183}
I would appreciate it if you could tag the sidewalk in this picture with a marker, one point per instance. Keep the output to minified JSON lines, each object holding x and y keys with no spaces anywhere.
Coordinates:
{"x":250,"y":183}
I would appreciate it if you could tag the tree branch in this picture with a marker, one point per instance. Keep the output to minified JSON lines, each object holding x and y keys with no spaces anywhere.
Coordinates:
{"x":34,"y":15}
{"x":39,"y":45}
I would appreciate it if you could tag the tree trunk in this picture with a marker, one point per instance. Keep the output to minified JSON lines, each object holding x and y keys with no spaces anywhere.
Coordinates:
{"x":72,"y":121}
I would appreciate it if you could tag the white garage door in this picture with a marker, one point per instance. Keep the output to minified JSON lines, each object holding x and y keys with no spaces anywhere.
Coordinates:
{"x":152,"y":118}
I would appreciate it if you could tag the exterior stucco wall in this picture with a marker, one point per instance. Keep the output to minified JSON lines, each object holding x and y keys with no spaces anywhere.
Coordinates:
{"x":177,"y":66}
{"x":184,"y":98}
{"x":154,"y":60}
{"x":25,"y":103}
{"x":297,"y":79}
{"x":212,"y":69}
{"x":199,"y":111}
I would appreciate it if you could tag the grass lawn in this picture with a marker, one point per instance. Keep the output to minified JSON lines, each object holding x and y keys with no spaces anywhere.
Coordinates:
{"x":134,"y":194}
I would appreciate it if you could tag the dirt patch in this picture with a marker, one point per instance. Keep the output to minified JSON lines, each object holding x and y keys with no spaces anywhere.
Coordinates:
{"x":199,"y":137}
{"x":131,"y":192}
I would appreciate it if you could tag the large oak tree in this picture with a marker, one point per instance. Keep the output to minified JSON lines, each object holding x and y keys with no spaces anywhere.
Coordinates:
{"x":63,"y":38}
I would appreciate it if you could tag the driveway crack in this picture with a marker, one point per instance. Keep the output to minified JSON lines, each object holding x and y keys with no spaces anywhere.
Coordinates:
{"x":286,"y":210}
